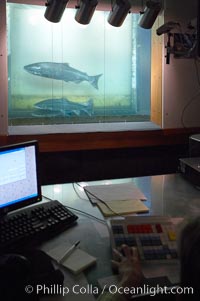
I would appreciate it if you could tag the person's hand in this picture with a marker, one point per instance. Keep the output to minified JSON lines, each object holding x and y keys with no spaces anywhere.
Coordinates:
{"x":128,"y":264}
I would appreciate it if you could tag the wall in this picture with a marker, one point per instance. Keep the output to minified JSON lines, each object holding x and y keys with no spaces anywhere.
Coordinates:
{"x":3,"y":70}
{"x":181,"y":87}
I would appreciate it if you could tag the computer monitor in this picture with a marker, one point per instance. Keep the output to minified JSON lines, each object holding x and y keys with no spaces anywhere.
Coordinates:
{"x":19,"y":176}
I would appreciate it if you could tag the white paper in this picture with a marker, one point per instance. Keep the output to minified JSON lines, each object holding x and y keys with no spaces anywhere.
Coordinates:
{"x":112,"y":192}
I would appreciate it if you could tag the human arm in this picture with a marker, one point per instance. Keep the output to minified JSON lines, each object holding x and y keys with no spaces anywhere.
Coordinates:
{"x":127,"y":264}
{"x":129,"y":268}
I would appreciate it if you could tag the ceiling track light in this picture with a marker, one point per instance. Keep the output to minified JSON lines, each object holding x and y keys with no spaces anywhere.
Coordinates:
{"x":119,"y":11}
{"x":85,"y":11}
{"x":55,"y":10}
{"x":150,"y":14}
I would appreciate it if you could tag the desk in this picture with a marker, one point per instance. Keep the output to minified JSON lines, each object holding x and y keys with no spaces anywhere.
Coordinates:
{"x":166,"y":195}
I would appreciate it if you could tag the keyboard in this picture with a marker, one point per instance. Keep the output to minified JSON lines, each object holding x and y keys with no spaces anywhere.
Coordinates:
{"x":31,"y":226}
{"x":154,"y":237}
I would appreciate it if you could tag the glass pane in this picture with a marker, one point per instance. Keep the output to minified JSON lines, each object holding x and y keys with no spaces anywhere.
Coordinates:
{"x":68,"y":73}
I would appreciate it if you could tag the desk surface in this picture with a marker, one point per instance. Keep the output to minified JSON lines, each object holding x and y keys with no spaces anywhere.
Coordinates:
{"x":166,"y":195}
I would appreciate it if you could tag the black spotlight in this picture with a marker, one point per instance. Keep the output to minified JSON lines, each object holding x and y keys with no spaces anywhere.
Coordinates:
{"x":150,"y":14}
{"x":55,"y":10}
{"x":85,"y":11}
{"x":119,"y":12}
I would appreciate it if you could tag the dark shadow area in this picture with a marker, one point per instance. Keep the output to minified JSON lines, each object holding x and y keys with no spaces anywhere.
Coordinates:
{"x":75,"y":166}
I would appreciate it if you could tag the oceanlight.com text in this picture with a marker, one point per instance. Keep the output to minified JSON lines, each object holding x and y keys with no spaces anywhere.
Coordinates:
{"x":112,"y":289}
{"x":150,"y":290}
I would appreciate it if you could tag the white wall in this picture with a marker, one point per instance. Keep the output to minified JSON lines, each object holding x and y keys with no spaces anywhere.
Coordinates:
{"x":181,"y":89}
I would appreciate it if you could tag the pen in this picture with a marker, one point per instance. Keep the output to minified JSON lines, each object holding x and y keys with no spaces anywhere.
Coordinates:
{"x":69,"y":251}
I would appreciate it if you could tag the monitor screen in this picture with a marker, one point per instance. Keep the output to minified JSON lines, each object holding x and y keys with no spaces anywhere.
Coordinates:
{"x":19,"y":178}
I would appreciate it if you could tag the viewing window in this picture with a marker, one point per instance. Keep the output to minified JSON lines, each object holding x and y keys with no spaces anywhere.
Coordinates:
{"x":67,"y":73}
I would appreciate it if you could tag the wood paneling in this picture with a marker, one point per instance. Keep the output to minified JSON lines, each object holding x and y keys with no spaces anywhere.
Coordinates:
{"x":156,"y":73}
{"x":105,"y":140}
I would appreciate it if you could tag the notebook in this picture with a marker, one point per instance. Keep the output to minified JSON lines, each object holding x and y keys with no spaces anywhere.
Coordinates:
{"x":78,"y":261}
{"x":122,"y":207}
{"x":117,"y":192}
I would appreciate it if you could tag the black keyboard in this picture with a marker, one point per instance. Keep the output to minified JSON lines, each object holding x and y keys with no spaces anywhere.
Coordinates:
{"x":32,"y":226}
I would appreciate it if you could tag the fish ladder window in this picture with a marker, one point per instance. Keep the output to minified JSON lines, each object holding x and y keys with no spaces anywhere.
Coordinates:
{"x":66,"y":73}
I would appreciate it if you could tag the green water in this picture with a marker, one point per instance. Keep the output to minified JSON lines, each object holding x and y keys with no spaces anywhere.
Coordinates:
{"x":119,"y":57}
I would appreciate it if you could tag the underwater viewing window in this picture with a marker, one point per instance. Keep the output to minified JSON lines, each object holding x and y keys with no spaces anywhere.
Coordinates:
{"x":68,"y":73}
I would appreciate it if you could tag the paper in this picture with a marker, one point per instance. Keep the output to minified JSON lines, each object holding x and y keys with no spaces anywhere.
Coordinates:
{"x":78,"y":261}
{"x":122,"y":207}
{"x":114,"y":192}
